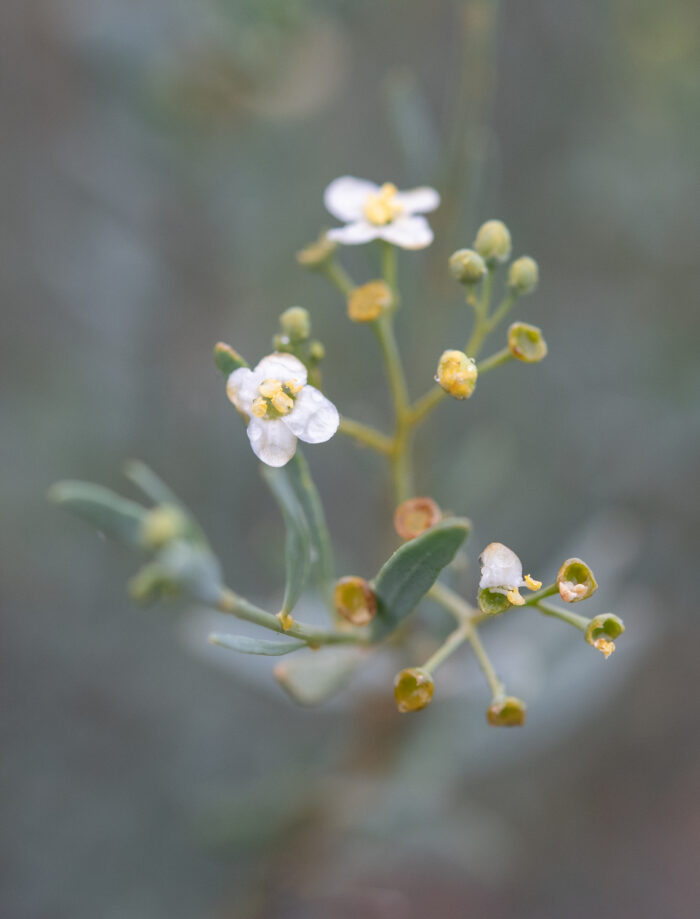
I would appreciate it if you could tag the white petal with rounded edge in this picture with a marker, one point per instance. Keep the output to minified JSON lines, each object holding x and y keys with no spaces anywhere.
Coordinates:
{"x":355,"y":233}
{"x":419,"y":200}
{"x":345,"y":197}
{"x":272,"y":441}
{"x":314,"y":418}
{"x":500,"y":567}
{"x":407,"y":232}
{"x":242,"y":388}
{"x":283,"y":367}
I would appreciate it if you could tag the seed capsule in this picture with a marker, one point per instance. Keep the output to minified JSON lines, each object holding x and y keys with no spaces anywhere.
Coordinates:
{"x":415,"y":516}
{"x":355,"y":600}
{"x":507,"y":713}
{"x":413,"y":689}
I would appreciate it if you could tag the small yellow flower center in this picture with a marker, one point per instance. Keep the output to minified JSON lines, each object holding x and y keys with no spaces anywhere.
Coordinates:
{"x":381,"y":207}
{"x":276,"y":398}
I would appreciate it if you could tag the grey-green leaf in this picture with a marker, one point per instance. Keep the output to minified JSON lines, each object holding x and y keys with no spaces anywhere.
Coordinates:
{"x":297,"y":549}
{"x":308,"y":497}
{"x":412,"y":570}
{"x":155,"y":488}
{"x":247,"y":645}
{"x":109,"y":512}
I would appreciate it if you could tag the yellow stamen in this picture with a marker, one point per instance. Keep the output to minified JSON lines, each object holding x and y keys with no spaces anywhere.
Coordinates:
{"x":381,"y":207}
{"x":259,"y":407}
{"x":269,"y":388}
{"x":293,"y":387}
{"x":282,"y":402}
{"x":514,"y":597}
{"x":286,"y":620}
{"x":607,"y":647}
{"x":531,"y":583}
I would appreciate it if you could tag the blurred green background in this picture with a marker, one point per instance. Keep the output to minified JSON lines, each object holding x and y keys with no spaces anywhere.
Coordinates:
{"x":160,"y":164}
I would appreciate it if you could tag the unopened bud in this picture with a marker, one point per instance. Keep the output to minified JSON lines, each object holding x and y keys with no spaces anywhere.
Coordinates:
{"x":151,"y":584}
{"x":295,"y":323}
{"x":602,"y":630}
{"x":413,"y":689}
{"x":493,"y":241}
{"x":415,"y":516}
{"x":317,"y":351}
{"x":575,"y":581}
{"x":523,"y":275}
{"x":506,"y":713}
{"x":368,"y":302}
{"x":457,"y":374}
{"x":162,"y":525}
{"x":467,"y":266}
{"x":316,"y":254}
{"x":355,"y":600}
{"x":226,"y":359}
{"x":526,"y":342}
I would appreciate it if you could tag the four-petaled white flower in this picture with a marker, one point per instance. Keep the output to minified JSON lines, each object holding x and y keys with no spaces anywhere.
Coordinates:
{"x":380,"y":212}
{"x":281,"y":407}
{"x":502,"y":572}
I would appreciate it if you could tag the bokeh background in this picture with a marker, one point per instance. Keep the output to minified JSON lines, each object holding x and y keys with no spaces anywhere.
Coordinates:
{"x":160,"y":163}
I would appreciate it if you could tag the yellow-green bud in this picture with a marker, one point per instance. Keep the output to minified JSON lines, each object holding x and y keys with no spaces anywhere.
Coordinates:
{"x":523,"y":275}
{"x":601,"y":630}
{"x":317,"y":351}
{"x":413,"y":689}
{"x":162,"y":525}
{"x":355,"y":600}
{"x":368,"y":302}
{"x":295,"y":323}
{"x":507,"y":713}
{"x":151,"y":584}
{"x":415,"y":516}
{"x":492,"y":602}
{"x":467,"y":266}
{"x":457,"y":374}
{"x":526,"y":342}
{"x":575,"y":581}
{"x":493,"y":242}
{"x":315,"y":255}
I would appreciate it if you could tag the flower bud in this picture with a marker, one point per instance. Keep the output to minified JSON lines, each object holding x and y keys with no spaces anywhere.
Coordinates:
{"x":295,"y":323}
{"x":575,"y":581}
{"x":601,"y":630}
{"x":523,"y":275}
{"x":152,"y":583}
{"x":457,"y":374}
{"x":526,"y":342}
{"x":226,"y":359}
{"x":316,"y":254}
{"x":415,"y":516}
{"x":492,"y":602}
{"x":368,"y":302}
{"x":506,"y":713}
{"x":493,"y":242}
{"x":317,"y":351}
{"x":467,"y":266}
{"x":162,"y":525}
{"x":413,"y":689}
{"x":355,"y":600}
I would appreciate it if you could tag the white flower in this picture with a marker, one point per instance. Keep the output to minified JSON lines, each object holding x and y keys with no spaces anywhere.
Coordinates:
{"x":374,"y":212}
{"x":282,"y":407}
{"x":502,"y":572}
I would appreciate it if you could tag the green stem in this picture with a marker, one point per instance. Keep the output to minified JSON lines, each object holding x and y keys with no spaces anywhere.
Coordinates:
{"x":500,"y":357}
{"x":423,"y":407}
{"x":549,"y":591}
{"x":390,"y":270}
{"x":481,"y":312}
{"x":497,"y":688}
{"x":367,"y":436}
{"x":451,"y":643}
{"x":578,"y":622}
{"x":501,"y":311}
{"x":338,"y":277}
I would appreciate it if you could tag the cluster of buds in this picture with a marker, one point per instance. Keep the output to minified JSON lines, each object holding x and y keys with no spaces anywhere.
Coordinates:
{"x":294,"y":337}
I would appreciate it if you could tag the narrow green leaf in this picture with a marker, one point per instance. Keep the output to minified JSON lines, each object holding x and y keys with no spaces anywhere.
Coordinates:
{"x":311,"y":679}
{"x":155,"y":488}
{"x":110,"y":513}
{"x":412,"y":570}
{"x":297,"y":551}
{"x":226,"y":359}
{"x":247,"y":645}
{"x":310,"y":501}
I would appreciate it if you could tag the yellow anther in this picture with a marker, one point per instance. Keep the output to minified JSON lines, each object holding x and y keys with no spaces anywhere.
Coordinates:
{"x":381,"y":206}
{"x":531,"y":583}
{"x":286,"y":620}
{"x":269,"y":388}
{"x":514,"y":597}
{"x":282,"y":402}
{"x":259,"y":407}
{"x":293,"y":387}
{"x":604,"y":645}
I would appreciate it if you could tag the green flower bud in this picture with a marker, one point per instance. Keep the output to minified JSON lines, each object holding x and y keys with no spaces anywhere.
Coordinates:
{"x":413,"y":689}
{"x":467,"y":266}
{"x":317,"y":351}
{"x":162,"y":525}
{"x":493,"y":242}
{"x":506,"y":713}
{"x":415,"y":516}
{"x":152,"y":583}
{"x":226,"y":359}
{"x":523,"y":275}
{"x":355,"y":600}
{"x":492,"y":602}
{"x":295,"y":323}
{"x":575,"y":581}
{"x":526,"y":342}
{"x":457,"y":374}
{"x":315,"y":255}
{"x":601,"y":630}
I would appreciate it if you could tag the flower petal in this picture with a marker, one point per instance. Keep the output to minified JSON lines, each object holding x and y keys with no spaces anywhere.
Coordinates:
{"x":345,"y":197}
{"x":242,"y":388}
{"x":407,"y":232}
{"x":355,"y":233}
{"x":500,"y":567}
{"x":283,"y":367}
{"x":314,"y":418}
{"x":272,"y":441}
{"x":419,"y":200}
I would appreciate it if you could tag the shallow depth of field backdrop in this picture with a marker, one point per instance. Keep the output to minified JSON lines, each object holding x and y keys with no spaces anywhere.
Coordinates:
{"x":160,"y":163}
